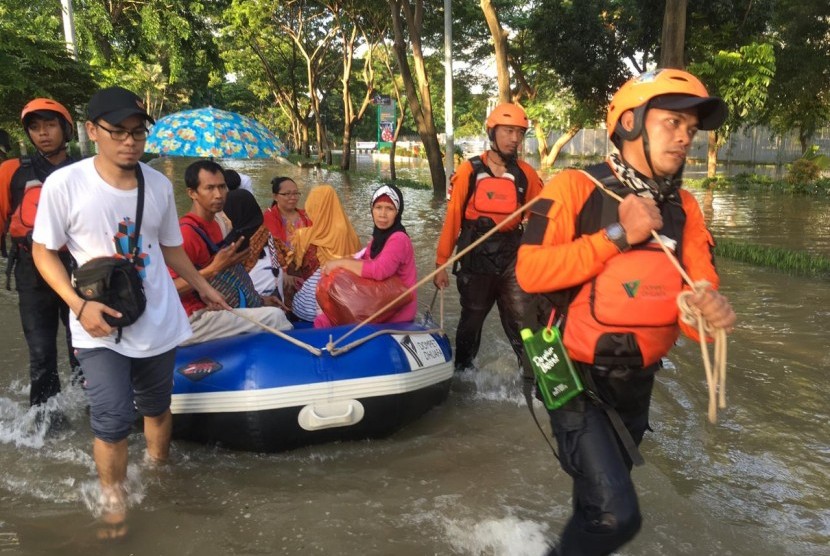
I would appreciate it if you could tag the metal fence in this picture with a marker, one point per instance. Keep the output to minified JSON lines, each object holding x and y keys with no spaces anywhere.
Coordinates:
{"x":753,"y":145}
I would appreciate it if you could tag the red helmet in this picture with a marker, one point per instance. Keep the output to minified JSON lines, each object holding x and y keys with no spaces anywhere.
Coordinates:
{"x":38,"y":106}
{"x":507,"y":114}
{"x":684,"y":91}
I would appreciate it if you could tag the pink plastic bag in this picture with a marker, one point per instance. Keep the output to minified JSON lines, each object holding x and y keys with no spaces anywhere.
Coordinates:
{"x":347,"y":298}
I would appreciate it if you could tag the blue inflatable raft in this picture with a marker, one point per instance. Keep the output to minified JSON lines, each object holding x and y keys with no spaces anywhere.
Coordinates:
{"x":260,"y":392}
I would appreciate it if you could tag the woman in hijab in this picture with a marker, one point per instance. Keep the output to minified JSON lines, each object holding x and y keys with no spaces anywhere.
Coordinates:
{"x":245,"y":216}
{"x":389,"y":252}
{"x":330,"y":237}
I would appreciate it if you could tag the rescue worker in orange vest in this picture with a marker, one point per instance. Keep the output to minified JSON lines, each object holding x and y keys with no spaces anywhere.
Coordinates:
{"x":484,"y":191}
{"x":48,"y":125}
{"x":617,"y":290}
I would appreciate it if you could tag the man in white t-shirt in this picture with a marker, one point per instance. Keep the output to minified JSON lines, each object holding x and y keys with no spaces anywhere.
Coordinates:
{"x":91,"y":207}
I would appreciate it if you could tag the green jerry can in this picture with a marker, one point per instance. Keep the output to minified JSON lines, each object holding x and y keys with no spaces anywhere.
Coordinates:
{"x":556,"y":377}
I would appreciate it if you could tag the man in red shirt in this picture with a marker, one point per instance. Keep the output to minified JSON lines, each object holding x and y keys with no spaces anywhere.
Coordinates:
{"x":212,"y":255}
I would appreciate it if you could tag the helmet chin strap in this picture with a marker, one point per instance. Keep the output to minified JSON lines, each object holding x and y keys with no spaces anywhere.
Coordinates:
{"x":506,"y":158}
{"x":663,"y":188}
{"x":50,"y":154}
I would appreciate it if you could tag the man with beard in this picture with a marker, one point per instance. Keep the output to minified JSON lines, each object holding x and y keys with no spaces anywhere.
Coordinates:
{"x":48,"y":125}
{"x":485,"y":190}
{"x":92,"y":208}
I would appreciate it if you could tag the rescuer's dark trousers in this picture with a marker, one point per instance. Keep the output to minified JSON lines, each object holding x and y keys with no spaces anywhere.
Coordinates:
{"x":41,"y":311}
{"x":478,"y":293}
{"x":606,"y":512}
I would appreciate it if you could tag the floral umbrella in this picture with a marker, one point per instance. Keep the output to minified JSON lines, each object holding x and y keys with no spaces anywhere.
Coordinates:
{"x":212,"y":133}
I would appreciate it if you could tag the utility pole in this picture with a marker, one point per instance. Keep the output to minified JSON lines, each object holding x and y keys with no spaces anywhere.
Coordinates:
{"x":449,"y":158}
{"x":69,"y":36}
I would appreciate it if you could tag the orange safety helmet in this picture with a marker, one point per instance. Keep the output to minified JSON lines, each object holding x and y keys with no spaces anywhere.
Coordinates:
{"x":38,"y":105}
{"x":507,"y":114}
{"x":685,"y":89}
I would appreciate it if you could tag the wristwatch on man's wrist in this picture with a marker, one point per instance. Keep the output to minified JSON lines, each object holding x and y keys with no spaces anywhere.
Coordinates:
{"x":615,"y":233}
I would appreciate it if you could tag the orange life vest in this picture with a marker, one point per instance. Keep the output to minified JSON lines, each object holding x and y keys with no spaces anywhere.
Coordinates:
{"x":25,"y":195}
{"x":633,"y":299}
{"x":494,"y":197}
{"x":490,"y":200}
{"x":626,"y":315}
{"x":23,"y":218}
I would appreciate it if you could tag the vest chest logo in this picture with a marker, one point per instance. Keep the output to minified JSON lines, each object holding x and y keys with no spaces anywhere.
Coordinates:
{"x":631,"y":288}
{"x":636,"y":288}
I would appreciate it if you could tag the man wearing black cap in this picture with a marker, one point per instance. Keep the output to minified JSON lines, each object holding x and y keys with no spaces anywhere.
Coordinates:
{"x":92,"y":208}
{"x":594,"y":259}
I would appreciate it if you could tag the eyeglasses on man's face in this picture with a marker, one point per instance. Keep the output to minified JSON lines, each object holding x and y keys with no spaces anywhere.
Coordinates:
{"x":290,"y":194}
{"x":138,"y":134}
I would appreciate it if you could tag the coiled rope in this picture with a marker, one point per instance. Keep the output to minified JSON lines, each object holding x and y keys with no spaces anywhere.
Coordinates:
{"x":715,"y":365}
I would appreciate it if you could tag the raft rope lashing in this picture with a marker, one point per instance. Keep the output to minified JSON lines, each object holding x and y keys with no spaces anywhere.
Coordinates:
{"x":350,"y":346}
{"x":332,"y":346}
{"x":280,"y":333}
{"x":714,"y":366}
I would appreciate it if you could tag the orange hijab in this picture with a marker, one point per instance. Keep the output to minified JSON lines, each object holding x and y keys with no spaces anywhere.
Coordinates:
{"x":331,"y":230}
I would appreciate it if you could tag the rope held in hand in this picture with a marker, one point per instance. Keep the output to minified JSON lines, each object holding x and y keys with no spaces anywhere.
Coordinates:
{"x":715,"y":366}
{"x":715,"y":373}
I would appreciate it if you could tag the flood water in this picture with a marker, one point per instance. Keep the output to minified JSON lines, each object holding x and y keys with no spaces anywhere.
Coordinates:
{"x":473,"y":476}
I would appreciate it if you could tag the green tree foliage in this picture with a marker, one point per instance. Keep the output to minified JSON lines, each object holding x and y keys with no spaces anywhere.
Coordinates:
{"x":715,"y":25}
{"x":799,"y":97}
{"x":742,"y":79}
{"x":163,"y":49}
{"x":34,"y":61}
{"x":592,"y":44}
{"x":285,"y":52}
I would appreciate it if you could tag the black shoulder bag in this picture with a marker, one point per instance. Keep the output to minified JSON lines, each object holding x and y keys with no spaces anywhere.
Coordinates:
{"x":115,"y":281}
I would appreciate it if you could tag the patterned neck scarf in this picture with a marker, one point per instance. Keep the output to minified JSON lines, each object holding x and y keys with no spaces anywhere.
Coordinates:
{"x":660,"y":189}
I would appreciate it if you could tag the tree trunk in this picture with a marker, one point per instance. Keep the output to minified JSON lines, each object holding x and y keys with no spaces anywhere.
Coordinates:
{"x":401,"y":113}
{"x":542,"y":139}
{"x":563,"y":140}
{"x":327,"y":154}
{"x":306,"y":143}
{"x":350,"y":119}
{"x":348,"y":125}
{"x":500,"y":48}
{"x":348,"y":110}
{"x":346,"y":160}
{"x":312,"y":62}
{"x":673,"y":41}
{"x":712,"y":155}
{"x":419,"y":99}
{"x":318,"y":120}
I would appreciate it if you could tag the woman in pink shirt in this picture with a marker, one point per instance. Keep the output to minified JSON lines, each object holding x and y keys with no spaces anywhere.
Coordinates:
{"x":389,"y":253}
